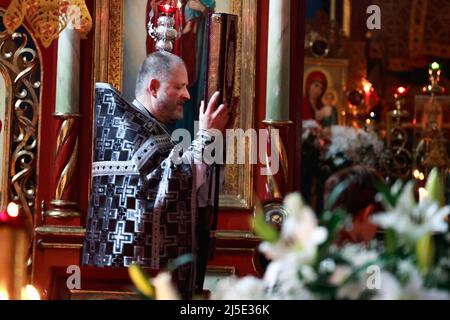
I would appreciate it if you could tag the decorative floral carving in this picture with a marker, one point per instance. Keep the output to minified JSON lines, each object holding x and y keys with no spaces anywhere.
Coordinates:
{"x":19,"y":58}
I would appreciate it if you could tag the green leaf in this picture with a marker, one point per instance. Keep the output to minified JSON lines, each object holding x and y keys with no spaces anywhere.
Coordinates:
{"x":425,"y":253}
{"x":435,"y":187}
{"x":385,"y":191}
{"x":180,"y":261}
{"x":265,"y":230}
{"x":333,"y":222}
{"x":391,"y":241}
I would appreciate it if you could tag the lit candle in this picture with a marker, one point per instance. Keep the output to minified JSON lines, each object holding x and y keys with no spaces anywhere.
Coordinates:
{"x":3,"y":294}
{"x":30,"y":293}
{"x":14,"y":243}
{"x":167,"y":8}
{"x":401,"y":91}
{"x":367,"y":87}
{"x":278,"y":61}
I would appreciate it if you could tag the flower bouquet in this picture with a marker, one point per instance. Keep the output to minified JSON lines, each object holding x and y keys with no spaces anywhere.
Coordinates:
{"x":329,"y":149}
{"x":410,"y":262}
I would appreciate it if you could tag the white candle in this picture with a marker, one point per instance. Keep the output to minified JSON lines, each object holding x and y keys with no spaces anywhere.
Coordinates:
{"x":278,"y":61}
{"x":68,"y":73}
{"x":332,"y":10}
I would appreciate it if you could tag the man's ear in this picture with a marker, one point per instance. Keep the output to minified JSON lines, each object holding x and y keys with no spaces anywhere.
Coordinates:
{"x":153,"y":87}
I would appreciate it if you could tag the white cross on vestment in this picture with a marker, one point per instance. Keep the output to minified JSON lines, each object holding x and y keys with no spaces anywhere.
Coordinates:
{"x":120,"y":237}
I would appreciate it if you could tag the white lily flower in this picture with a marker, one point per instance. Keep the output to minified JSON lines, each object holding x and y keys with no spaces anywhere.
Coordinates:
{"x":282,"y":279}
{"x":358,"y":255}
{"x":300,"y":233}
{"x":391,"y":289}
{"x":412,"y":221}
{"x":165,"y":290}
{"x":247,"y":288}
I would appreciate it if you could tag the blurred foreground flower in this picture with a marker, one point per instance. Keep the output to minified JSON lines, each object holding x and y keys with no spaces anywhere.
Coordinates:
{"x":160,"y":287}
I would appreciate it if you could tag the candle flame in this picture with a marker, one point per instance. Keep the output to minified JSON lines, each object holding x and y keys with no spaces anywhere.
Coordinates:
{"x":13,"y":210}
{"x":179,"y":5}
{"x":418,"y":175}
{"x":435,"y":66}
{"x":30,"y":293}
{"x":367,"y":86}
{"x":401,"y":90}
{"x":4,"y":295}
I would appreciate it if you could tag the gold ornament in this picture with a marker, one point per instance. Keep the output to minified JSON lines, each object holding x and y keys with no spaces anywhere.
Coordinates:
{"x":48,"y":18}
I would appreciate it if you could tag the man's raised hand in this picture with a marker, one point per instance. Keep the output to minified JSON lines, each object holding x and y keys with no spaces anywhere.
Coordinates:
{"x":212,"y":117}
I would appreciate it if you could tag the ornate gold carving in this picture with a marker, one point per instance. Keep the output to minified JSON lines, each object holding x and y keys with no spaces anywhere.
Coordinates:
{"x":48,"y":18}
{"x":276,"y":123}
{"x":109,"y":42}
{"x":62,"y":214}
{"x":63,"y":203}
{"x":64,"y":134}
{"x":66,"y":131}
{"x":6,"y":140}
{"x":47,"y":245}
{"x":238,"y":189}
{"x":22,"y":63}
{"x":272,"y":184}
{"x":235,"y":235}
{"x":61,"y":231}
{"x":115,"y":62}
{"x":67,"y":173}
{"x":66,"y":115}
{"x":221,"y":270}
{"x":102,"y":295}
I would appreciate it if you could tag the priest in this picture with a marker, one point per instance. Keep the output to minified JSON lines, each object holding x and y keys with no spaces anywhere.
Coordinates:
{"x":145,"y":192}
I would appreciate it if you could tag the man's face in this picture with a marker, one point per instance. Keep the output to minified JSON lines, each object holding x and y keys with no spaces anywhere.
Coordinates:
{"x":173,"y":94}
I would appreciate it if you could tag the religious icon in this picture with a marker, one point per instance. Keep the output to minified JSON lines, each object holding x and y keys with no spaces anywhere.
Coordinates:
{"x":432,"y":126}
{"x":323,"y":92}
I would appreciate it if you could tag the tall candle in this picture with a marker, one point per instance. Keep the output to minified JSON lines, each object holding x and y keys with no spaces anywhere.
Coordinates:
{"x":278,"y":61}
{"x":68,"y":73}
{"x":332,"y":10}
{"x":14,"y":243}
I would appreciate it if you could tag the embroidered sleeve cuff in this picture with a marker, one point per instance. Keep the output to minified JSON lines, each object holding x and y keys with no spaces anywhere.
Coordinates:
{"x":203,"y":139}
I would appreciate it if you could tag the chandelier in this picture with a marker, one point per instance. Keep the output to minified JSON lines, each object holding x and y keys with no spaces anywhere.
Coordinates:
{"x":48,"y":18}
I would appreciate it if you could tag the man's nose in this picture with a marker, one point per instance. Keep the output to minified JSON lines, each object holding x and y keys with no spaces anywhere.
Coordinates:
{"x":185,"y":94}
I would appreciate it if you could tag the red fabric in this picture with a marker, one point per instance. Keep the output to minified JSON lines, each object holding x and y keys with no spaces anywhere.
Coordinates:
{"x":307,"y":112}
